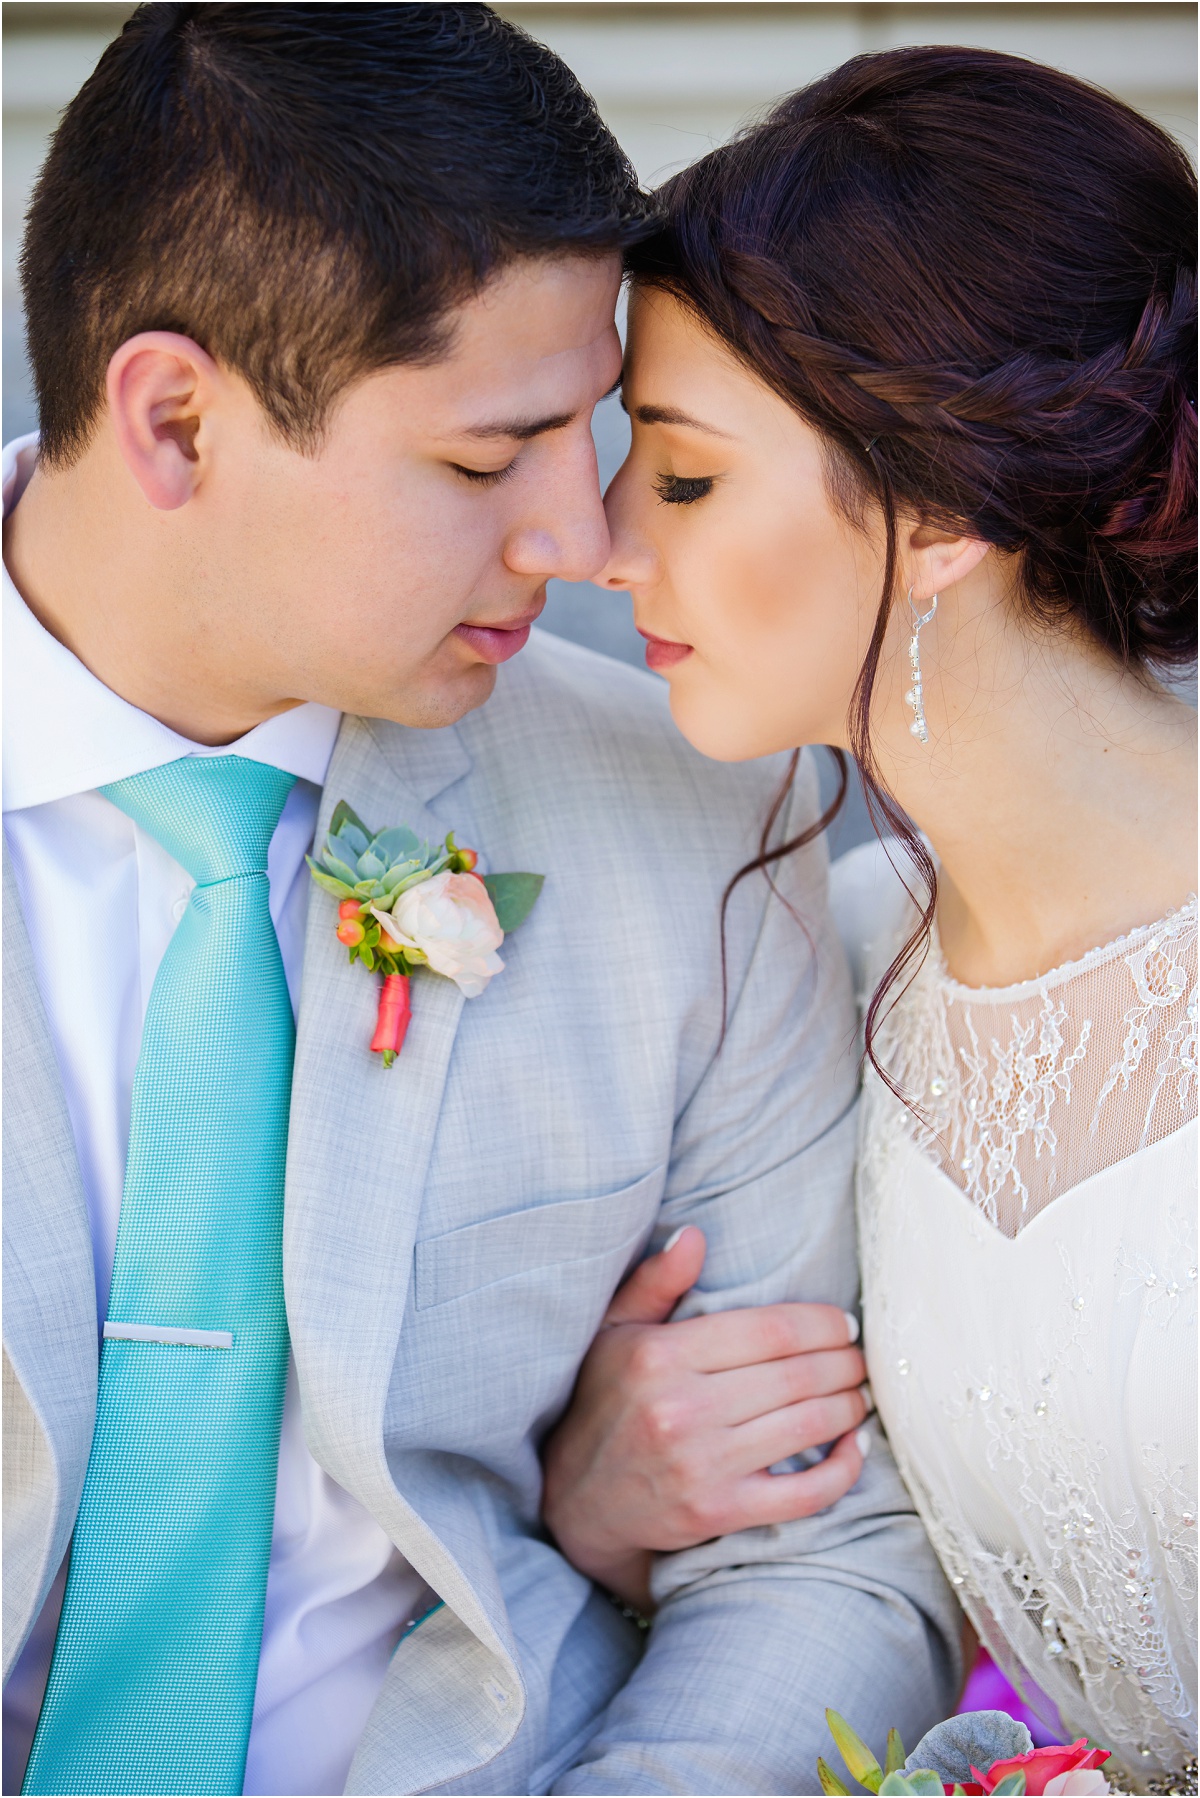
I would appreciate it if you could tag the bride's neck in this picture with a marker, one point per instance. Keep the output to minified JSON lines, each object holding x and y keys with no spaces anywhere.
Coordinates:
{"x":1058,"y":791}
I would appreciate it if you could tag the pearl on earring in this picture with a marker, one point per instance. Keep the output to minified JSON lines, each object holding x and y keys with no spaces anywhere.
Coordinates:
{"x":913,"y":697}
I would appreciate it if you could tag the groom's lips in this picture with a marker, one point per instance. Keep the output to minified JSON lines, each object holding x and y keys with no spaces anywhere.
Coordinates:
{"x":498,"y":643}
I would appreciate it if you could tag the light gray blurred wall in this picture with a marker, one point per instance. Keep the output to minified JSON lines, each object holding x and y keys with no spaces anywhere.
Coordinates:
{"x":672,"y":80}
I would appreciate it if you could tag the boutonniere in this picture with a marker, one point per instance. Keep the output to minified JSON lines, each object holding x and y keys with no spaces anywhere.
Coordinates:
{"x":404,"y":904}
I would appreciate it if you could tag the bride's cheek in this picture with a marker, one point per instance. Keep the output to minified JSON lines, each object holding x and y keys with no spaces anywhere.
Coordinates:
{"x":730,"y":696}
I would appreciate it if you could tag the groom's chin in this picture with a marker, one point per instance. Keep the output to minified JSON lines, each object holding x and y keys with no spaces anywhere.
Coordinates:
{"x":438,"y":702}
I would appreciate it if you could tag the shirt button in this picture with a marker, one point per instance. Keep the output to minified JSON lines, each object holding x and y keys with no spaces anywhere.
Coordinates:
{"x":179,"y":907}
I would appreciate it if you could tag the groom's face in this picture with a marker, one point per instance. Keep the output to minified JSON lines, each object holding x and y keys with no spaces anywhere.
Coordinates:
{"x":392,"y":572}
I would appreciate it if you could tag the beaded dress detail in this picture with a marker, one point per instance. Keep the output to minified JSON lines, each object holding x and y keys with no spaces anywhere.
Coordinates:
{"x":1029,"y":1291}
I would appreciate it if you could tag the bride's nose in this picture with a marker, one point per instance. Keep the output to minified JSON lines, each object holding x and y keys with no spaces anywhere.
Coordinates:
{"x":632,"y":561}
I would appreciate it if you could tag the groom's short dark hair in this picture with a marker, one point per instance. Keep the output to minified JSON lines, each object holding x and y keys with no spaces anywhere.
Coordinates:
{"x":305,"y":190}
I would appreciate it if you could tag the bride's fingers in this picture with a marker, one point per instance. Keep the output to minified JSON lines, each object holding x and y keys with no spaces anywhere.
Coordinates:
{"x":783,"y":1497}
{"x":744,"y":1393}
{"x":657,"y":1284}
{"x":726,"y":1339}
{"x":788,"y":1431}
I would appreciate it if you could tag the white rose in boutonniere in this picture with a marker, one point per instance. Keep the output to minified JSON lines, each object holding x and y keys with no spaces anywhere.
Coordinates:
{"x":451,"y":921}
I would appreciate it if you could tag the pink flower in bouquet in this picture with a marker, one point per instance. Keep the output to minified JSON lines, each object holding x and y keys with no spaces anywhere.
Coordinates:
{"x":1050,"y":1770}
{"x":451,"y":921}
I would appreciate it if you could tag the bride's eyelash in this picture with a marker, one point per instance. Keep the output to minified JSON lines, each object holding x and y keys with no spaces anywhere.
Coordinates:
{"x":682,"y":490}
{"x":485,"y":477}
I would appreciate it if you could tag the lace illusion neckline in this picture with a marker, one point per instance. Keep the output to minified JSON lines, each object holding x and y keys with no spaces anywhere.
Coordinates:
{"x":1021,"y":1092}
{"x":1132,"y":940}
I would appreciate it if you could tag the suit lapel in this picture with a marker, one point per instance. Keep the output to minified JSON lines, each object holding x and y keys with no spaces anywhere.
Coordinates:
{"x":50,"y":1331}
{"x":359,"y":1148}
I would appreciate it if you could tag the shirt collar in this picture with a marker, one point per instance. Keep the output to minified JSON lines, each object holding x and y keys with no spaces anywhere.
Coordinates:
{"x":66,"y":732}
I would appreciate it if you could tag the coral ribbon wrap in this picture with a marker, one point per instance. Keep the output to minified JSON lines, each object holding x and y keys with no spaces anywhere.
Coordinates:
{"x":394,"y":1014}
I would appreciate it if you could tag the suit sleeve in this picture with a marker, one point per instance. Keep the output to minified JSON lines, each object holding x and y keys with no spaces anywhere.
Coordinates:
{"x":758,"y":1632}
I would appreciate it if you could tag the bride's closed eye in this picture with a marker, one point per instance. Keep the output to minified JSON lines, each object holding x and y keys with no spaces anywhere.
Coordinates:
{"x":683,"y":490}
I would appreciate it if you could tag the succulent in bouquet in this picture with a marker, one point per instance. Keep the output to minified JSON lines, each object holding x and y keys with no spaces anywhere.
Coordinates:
{"x":976,"y":1752}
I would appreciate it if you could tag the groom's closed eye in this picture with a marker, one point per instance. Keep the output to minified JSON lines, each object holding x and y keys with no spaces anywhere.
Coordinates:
{"x":513,"y":430}
{"x":520,"y":430}
{"x":516,"y":430}
{"x":485,"y":477}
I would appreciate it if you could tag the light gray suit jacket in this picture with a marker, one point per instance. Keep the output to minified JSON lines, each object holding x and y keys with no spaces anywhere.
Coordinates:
{"x":455,"y":1227}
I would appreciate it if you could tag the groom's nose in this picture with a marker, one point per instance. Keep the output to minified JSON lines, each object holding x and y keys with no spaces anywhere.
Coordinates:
{"x":563,"y":530}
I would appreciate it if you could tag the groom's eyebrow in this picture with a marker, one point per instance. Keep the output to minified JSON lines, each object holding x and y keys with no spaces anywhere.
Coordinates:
{"x":522,"y":429}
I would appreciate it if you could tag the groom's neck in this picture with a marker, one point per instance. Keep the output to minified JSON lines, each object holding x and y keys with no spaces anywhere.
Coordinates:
{"x":124,"y":589}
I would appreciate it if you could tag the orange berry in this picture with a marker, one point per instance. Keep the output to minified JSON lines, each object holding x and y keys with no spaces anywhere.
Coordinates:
{"x":467,"y":859}
{"x":350,"y":932}
{"x":349,"y":908}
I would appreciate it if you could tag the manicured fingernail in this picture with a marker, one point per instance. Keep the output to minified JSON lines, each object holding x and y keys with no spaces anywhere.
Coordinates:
{"x":851,"y":1325}
{"x":669,"y":1244}
{"x":862,"y":1442}
{"x":868,"y":1397}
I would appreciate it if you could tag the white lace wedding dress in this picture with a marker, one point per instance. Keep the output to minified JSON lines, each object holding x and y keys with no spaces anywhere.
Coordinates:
{"x":1029,"y":1292}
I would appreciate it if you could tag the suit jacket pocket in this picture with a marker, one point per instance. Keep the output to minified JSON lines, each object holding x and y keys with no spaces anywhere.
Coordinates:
{"x":540,"y":1236}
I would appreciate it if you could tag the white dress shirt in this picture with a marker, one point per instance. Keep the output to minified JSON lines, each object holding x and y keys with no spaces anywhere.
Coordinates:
{"x":101,"y":899}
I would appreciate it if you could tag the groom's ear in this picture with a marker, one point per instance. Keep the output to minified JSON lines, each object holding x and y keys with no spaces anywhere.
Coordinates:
{"x":161,"y":387}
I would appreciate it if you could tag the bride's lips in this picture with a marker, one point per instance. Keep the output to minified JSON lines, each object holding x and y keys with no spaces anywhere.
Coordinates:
{"x":661,"y":653}
{"x":498,"y":643}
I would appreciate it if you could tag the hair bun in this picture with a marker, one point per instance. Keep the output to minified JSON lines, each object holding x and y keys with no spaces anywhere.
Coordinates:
{"x":1144,"y":540}
{"x":1026,"y":368}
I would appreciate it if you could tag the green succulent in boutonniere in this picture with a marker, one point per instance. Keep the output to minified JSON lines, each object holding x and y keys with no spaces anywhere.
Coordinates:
{"x":406,"y":904}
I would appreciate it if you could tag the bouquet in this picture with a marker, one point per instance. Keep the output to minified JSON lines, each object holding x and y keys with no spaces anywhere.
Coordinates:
{"x":979,"y":1751}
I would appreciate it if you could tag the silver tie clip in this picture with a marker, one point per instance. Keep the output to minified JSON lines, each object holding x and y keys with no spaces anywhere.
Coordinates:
{"x":175,"y":1338}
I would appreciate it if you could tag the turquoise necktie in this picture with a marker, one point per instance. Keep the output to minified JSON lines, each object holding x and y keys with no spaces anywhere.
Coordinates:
{"x":151,"y":1688}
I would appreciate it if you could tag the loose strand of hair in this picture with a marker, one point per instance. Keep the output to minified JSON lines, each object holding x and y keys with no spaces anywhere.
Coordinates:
{"x":885,"y":814}
{"x":767,"y":855}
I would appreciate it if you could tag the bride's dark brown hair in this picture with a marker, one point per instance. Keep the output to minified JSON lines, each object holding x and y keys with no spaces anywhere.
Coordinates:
{"x":975,"y":277}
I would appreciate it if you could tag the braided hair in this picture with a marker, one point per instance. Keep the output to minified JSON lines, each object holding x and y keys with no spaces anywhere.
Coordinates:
{"x":975,"y":278}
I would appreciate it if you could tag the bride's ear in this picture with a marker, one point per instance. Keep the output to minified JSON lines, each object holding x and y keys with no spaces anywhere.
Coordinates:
{"x":936,"y":560}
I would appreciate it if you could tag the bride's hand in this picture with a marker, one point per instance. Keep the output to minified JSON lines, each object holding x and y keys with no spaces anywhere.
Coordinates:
{"x":673,"y":1426}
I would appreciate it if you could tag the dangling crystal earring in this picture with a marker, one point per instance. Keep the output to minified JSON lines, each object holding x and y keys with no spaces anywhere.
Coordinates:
{"x":918,"y":727}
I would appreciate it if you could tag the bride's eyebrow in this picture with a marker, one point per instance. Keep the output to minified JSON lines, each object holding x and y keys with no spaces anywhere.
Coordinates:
{"x":671,"y":415}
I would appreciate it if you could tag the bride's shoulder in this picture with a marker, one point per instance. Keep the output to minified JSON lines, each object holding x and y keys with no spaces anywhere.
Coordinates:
{"x":871,"y":907}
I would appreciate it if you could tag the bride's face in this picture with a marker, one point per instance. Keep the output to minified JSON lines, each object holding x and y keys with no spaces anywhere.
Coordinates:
{"x":757,"y":596}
